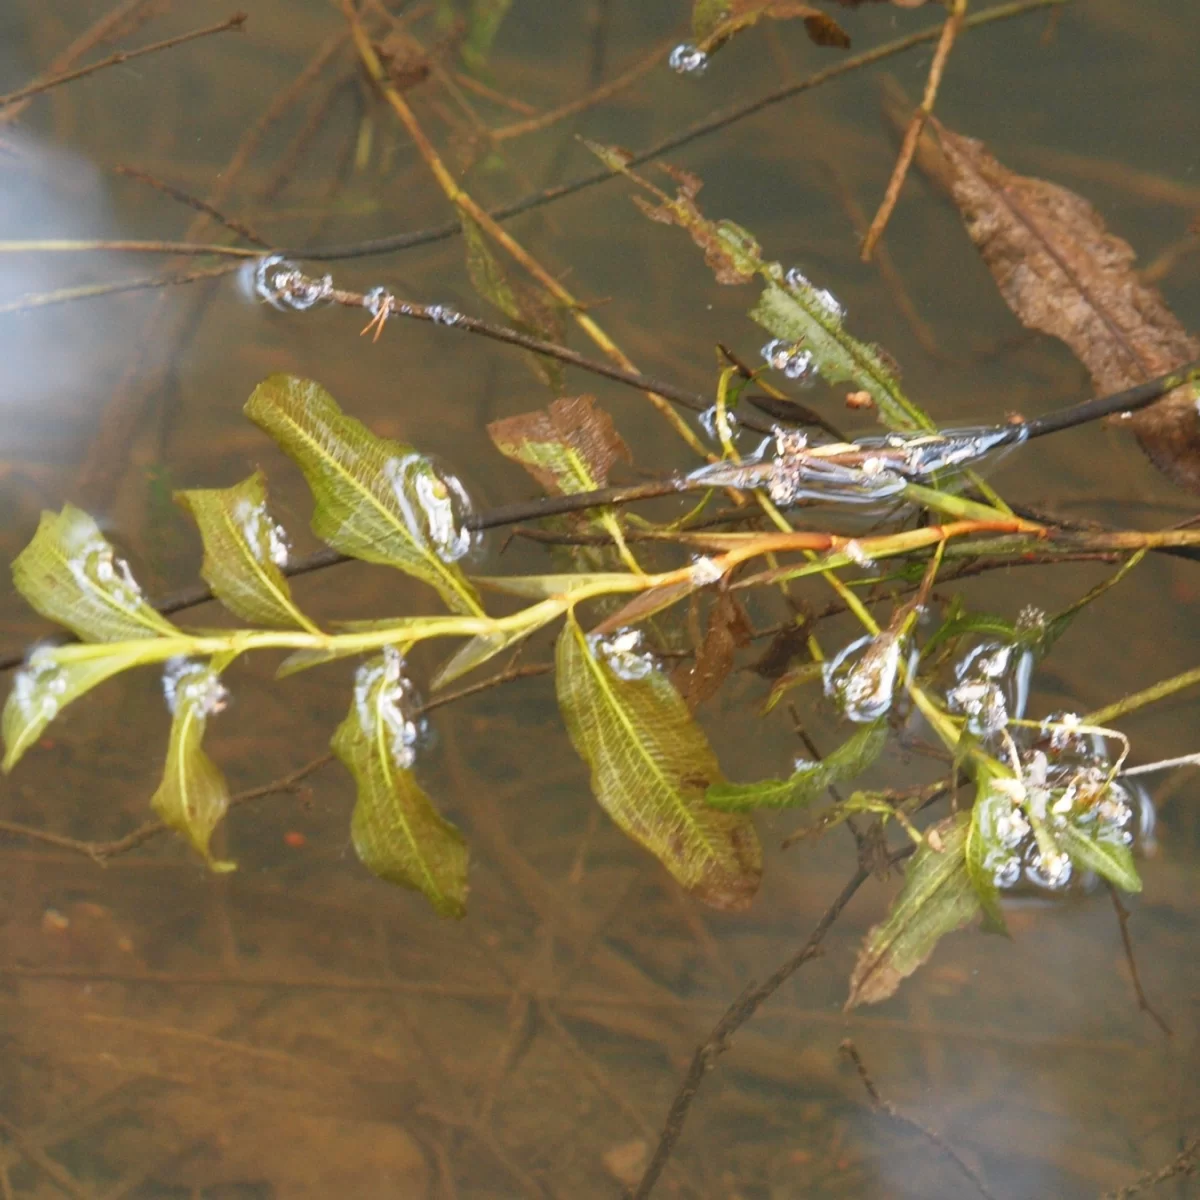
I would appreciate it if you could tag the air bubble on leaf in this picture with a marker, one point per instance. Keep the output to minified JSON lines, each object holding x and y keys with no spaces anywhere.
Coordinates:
{"x":795,"y":278}
{"x":434,"y":504}
{"x":1050,"y":870}
{"x":709,"y":422}
{"x":259,"y":530}
{"x":1006,"y":871}
{"x":686,"y":59}
{"x":193,"y":682}
{"x":795,"y":362}
{"x":38,"y":686}
{"x":395,"y":704}
{"x":862,"y":677}
{"x":857,"y":555}
{"x":624,"y":653}
{"x":91,"y":561}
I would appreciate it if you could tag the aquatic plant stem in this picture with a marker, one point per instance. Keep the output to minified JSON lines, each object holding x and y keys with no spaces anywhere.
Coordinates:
{"x":467,"y":205}
{"x":1159,"y":691}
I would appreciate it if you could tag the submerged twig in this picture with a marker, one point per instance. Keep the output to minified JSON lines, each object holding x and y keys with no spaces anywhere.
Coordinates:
{"x":1184,"y":1163}
{"x":194,"y":202}
{"x":237,"y":21}
{"x":1127,"y":942}
{"x":935,"y":1139}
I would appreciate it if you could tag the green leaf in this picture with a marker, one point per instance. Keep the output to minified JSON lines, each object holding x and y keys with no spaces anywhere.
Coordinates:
{"x":937,"y":898}
{"x":798,"y":313}
{"x":243,"y":550}
{"x":1109,"y":859}
{"x":484,"y":646}
{"x":193,"y":796}
{"x":483,"y":23}
{"x":376,"y":499}
{"x":70,"y":574}
{"x":984,"y":851}
{"x":650,"y":766}
{"x":808,"y":782}
{"x":43,"y":688}
{"x":397,"y":832}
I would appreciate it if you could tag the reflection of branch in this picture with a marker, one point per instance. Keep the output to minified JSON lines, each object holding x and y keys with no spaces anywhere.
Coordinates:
{"x":121,"y":56}
{"x":735,"y":1016}
{"x":935,"y":1139}
{"x":1126,"y":941}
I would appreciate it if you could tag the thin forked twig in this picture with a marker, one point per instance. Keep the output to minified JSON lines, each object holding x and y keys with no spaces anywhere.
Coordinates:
{"x":1127,"y":942}
{"x":934,"y":1138}
{"x":60,"y":1176}
{"x":193,"y":202}
{"x":734,"y":1017}
{"x":908,"y":147}
{"x":237,"y":21}
{"x":1184,"y":1163}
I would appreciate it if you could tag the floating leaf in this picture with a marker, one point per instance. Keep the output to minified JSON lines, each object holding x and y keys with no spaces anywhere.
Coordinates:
{"x":376,"y":499}
{"x":193,"y":796}
{"x":43,"y":688}
{"x":791,"y":308}
{"x":1110,"y":859}
{"x":714,"y":22}
{"x":243,"y":551}
{"x":650,"y":765}
{"x":937,"y":898}
{"x":796,"y":312}
{"x":397,"y":833}
{"x":569,"y":447}
{"x":809,"y":780}
{"x":1063,"y":273}
{"x":70,"y":574}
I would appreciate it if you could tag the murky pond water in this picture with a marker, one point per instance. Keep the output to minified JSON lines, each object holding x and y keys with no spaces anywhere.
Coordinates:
{"x":300,"y":1029}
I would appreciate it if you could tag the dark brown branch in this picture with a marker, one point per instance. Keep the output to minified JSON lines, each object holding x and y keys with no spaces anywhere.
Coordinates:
{"x":237,"y":21}
{"x":1127,"y":942}
{"x":735,"y":1016}
{"x":193,"y":202}
{"x":935,"y":1139}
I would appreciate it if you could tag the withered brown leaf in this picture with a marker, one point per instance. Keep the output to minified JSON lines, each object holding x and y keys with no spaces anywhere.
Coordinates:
{"x":714,"y":24}
{"x":571,"y":446}
{"x":728,"y":629}
{"x":1063,"y":273}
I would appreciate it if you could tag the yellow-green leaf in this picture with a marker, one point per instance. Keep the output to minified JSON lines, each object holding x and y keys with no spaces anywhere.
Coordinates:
{"x":809,"y":780}
{"x":376,"y":499}
{"x":71,"y":575}
{"x":937,"y":898}
{"x":193,"y":796}
{"x":43,"y":688}
{"x":650,"y":766}
{"x":1112,"y":860}
{"x":243,"y":551}
{"x":397,"y":833}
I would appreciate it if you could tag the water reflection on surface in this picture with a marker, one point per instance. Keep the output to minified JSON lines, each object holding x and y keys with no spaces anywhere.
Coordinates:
{"x":297,"y":1028}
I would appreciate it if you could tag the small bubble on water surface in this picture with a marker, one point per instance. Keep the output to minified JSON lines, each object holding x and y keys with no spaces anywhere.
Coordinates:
{"x":193,"y":682}
{"x":687,"y":59}
{"x":624,"y":652}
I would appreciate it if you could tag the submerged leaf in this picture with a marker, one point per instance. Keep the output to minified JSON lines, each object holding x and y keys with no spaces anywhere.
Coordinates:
{"x":70,"y":574}
{"x":809,"y":779}
{"x":43,"y":688}
{"x":937,"y":898}
{"x":243,"y":551}
{"x":728,"y":630}
{"x":483,"y":23}
{"x":193,"y":796}
{"x":376,"y":499}
{"x":397,"y":832}
{"x":650,"y":765}
{"x":569,"y":447}
{"x":1063,"y":273}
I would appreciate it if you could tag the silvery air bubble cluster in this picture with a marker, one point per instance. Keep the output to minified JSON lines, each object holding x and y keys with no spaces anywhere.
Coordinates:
{"x":433,"y":504}
{"x":193,"y":683}
{"x":283,"y":285}
{"x":385,"y":697}
{"x":624,"y":652}
{"x":687,"y":59}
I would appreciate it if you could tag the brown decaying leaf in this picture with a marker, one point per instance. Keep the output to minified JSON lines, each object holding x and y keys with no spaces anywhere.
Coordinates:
{"x":684,"y":212}
{"x":575,"y":423}
{"x":728,"y":629}
{"x":1063,"y":273}
{"x":737,"y":15}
